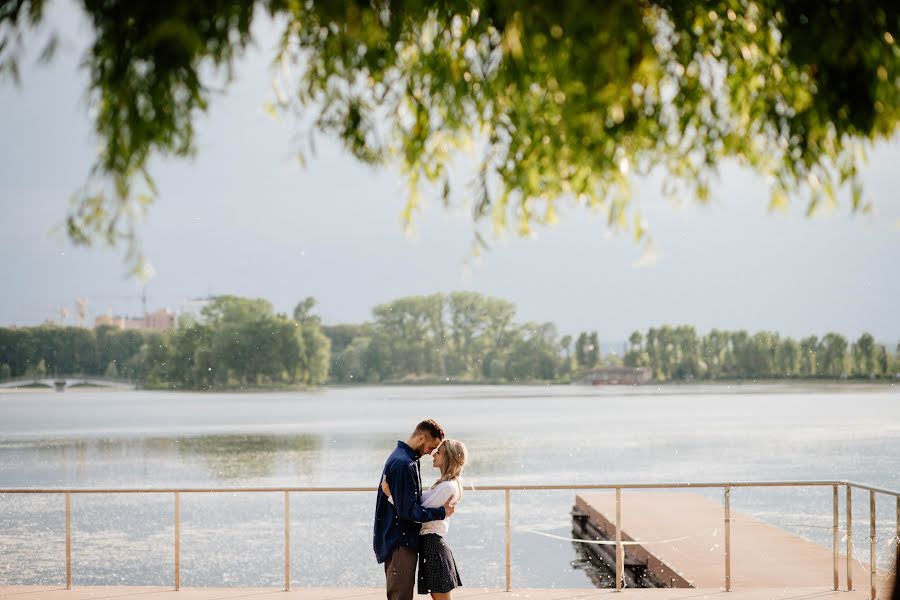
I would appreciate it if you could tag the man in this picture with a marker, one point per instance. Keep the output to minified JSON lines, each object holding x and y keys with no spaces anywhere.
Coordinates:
{"x":397,"y":525}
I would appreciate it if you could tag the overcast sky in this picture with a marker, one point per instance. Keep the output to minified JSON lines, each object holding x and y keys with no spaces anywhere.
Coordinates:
{"x":245,"y":218}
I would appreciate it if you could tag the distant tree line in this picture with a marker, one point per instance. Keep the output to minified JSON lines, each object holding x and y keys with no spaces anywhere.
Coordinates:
{"x":456,"y":337}
{"x":678,"y":353}
{"x":238,"y":341}
{"x":462,"y":336}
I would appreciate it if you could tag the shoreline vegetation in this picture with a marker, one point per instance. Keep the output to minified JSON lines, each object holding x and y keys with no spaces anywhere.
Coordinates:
{"x":462,"y":338}
{"x":794,"y":382}
{"x":710,"y":385}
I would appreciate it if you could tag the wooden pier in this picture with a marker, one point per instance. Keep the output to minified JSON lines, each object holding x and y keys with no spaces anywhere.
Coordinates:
{"x":684,"y":544}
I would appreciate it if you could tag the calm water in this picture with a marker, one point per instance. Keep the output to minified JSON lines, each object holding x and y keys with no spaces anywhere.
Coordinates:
{"x":341,"y":437}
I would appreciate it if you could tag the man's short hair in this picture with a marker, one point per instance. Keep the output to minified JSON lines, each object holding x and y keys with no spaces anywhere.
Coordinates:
{"x":430,"y":427}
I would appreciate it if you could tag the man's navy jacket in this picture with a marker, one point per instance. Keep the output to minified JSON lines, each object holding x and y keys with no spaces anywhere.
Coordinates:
{"x":400,"y":523}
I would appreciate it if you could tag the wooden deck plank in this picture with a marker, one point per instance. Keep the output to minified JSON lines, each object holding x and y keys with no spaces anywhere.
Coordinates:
{"x":693,"y":548}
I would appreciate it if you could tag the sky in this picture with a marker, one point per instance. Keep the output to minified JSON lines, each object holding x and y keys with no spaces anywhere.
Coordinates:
{"x":244,"y":217}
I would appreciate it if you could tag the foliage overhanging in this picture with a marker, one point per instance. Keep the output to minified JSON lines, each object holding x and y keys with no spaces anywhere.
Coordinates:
{"x":560,"y":102}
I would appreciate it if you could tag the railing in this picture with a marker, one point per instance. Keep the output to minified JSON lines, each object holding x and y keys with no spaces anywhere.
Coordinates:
{"x":507,"y":490}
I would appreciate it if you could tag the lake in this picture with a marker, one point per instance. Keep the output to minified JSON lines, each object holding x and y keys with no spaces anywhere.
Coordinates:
{"x":90,"y":438}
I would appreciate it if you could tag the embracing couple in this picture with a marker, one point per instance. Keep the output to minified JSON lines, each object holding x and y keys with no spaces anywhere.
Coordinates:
{"x":410,"y":524}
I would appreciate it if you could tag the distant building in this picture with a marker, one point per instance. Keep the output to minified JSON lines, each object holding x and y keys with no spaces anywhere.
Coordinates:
{"x":617,"y":376}
{"x":158,"y":320}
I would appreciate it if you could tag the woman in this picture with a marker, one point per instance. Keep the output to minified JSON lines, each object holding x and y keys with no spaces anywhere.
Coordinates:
{"x":437,"y":567}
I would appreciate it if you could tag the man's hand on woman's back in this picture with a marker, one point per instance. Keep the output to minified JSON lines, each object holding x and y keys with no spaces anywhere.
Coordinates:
{"x":449,"y":508}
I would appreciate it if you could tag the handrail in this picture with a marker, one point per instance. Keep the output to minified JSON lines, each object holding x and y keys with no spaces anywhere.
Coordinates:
{"x":483,"y":488}
{"x":507,"y":489}
{"x":870,"y":488}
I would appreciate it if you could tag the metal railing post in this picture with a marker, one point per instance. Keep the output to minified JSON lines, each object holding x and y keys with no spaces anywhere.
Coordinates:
{"x":849,"y":539}
{"x":287,"y":541}
{"x":620,"y":554}
{"x":873,"y":588}
{"x":508,"y":546}
{"x":835,"y":542}
{"x":177,"y":541}
{"x":68,"y":541}
{"x":727,"y":538}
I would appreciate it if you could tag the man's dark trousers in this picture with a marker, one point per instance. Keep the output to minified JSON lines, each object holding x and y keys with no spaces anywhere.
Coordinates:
{"x":400,"y":572}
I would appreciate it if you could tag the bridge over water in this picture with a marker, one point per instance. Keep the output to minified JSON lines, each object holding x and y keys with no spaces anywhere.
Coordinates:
{"x":61,"y":382}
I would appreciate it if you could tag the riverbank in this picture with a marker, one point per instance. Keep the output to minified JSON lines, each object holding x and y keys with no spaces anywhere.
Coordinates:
{"x":805,"y":384}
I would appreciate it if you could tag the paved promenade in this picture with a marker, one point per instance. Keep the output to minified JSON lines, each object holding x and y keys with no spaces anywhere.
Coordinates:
{"x":157,"y":593}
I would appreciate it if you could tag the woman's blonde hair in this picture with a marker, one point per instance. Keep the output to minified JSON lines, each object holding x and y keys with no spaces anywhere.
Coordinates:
{"x":455,"y":455}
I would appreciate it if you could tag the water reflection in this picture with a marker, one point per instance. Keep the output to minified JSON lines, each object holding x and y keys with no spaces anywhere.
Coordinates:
{"x":160,"y":461}
{"x":596,"y":570}
{"x":238,"y":458}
